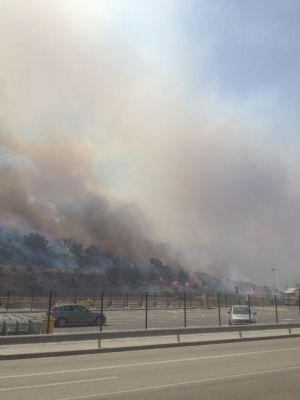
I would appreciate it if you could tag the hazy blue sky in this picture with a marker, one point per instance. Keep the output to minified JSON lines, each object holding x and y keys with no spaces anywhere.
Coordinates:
{"x":185,"y":110}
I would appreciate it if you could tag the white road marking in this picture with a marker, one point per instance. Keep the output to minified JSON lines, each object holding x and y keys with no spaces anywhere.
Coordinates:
{"x":206,"y":380}
{"x":142,"y":364}
{"x":57,"y":383}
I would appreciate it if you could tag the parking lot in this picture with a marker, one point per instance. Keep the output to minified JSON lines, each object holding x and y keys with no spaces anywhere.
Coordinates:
{"x":131,"y":319}
{"x":174,"y":318}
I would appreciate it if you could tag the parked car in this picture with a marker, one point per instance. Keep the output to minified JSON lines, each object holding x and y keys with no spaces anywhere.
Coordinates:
{"x":76,"y":314}
{"x":238,"y":315}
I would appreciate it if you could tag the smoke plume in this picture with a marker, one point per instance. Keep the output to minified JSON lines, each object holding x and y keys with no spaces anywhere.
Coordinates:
{"x":100,"y":144}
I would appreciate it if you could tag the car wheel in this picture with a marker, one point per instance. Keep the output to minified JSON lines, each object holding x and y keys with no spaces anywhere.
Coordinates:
{"x":61,"y":322}
{"x":99,"y":321}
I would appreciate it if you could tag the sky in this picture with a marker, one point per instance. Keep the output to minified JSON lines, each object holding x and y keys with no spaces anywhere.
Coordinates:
{"x":164,"y":126}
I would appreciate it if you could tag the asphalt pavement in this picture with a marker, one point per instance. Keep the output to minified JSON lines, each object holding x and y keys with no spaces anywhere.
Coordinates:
{"x":264,"y":370}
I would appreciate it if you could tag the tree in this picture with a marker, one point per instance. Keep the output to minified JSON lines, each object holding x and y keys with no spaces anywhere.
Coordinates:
{"x":160,"y":273}
{"x":182,"y":277}
{"x":77,"y":250}
{"x":113,"y":275}
{"x":94,"y":256}
{"x":132,"y":275}
{"x":156,"y":262}
{"x":36,"y":242}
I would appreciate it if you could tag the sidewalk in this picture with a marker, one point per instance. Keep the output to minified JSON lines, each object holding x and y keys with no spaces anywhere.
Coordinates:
{"x":108,"y":345}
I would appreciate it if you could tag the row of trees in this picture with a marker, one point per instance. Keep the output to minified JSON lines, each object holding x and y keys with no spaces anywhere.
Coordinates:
{"x":35,"y":261}
{"x":35,"y":249}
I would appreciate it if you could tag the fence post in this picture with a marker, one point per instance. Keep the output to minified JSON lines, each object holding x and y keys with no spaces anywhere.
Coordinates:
{"x":111,"y":299}
{"x":101,"y":317}
{"x":49,"y":310}
{"x":146,"y":310}
{"x":32,"y":297}
{"x":207,"y":300}
{"x":142,"y":299}
{"x":299,"y":301}
{"x":249,"y":308}
{"x":155,"y":300}
{"x":219,"y":308}
{"x":276,"y":311}
{"x":184,"y":308}
{"x":75,"y":298}
{"x":127,"y":304}
{"x":7,"y":300}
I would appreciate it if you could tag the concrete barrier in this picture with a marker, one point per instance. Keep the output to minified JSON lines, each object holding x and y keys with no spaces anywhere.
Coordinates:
{"x":177,"y":332}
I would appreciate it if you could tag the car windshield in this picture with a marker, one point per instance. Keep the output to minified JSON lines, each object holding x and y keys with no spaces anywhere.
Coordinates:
{"x":240,"y":310}
{"x":81,"y":309}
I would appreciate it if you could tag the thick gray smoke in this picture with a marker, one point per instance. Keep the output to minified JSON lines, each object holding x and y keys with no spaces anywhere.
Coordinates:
{"x":104,"y":145}
{"x":48,"y":191}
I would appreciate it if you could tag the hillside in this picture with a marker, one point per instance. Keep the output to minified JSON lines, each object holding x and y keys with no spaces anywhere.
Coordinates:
{"x":33,"y":262}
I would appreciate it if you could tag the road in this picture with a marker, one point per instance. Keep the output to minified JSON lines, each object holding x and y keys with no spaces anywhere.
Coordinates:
{"x":264,"y":370}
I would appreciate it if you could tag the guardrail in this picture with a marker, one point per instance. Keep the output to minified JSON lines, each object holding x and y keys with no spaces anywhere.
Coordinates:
{"x":71,"y":337}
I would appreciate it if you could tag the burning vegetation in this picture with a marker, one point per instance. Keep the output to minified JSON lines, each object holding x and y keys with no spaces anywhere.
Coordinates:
{"x":36,"y":262}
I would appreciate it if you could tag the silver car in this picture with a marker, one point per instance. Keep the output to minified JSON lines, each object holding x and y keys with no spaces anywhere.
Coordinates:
{"x":238,"y":315}
{"x":76,"y":314}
